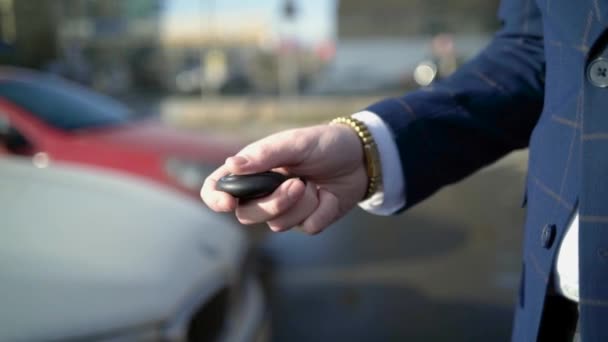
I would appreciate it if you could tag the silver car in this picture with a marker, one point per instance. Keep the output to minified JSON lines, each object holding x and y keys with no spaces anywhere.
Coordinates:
{"x":87,"y":254}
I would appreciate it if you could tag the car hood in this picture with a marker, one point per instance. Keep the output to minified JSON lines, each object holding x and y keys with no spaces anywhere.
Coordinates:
{"x":86,"y":252}
{"x":153,"y":136}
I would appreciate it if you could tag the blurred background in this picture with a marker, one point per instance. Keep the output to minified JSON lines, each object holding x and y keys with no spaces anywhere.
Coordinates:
{"x":206,"y":77}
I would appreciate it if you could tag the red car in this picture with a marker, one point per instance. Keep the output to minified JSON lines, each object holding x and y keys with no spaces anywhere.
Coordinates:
{"x":51,"y":119}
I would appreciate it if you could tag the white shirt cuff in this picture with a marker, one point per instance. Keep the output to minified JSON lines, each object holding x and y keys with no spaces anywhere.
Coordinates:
{"x":391,"y":194}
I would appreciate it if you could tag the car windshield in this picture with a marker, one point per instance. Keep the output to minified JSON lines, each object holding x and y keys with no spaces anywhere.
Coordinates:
{"x":62,"y":105}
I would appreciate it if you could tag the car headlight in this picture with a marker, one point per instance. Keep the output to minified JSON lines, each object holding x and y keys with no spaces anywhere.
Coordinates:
{"x":187,"y":173}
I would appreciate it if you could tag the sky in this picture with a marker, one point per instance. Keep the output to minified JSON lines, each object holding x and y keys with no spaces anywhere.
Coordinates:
{"x":315,"y":20}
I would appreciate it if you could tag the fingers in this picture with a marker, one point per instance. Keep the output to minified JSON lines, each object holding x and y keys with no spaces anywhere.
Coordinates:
{"x":325,"y":214}
{"x":217,"y":200}
{"x":278,"y":150}
{"x":292,"y":204}
{"x":299,"y":212}
{"x":274,"y":205}
{"x":315,"y":210}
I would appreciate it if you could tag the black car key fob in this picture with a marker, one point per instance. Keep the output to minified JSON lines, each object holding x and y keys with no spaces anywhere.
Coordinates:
{"x":246,"y":187}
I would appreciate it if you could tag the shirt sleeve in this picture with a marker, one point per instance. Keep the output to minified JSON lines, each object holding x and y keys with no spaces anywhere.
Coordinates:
{"x":391,"y":194}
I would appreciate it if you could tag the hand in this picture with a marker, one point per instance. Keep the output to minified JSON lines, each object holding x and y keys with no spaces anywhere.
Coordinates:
{"x":328,"y":157}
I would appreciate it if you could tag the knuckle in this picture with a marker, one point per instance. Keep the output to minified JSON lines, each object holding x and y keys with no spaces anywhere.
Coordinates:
{"x":291,"y":135}
{"x":203,"y":191}
{"x":207,"y":198}
{"x":277,"y":206}
{"x":262,"y":151}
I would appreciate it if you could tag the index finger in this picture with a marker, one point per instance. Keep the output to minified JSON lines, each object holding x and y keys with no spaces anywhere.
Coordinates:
{"x":217,"y":200}
{"x":275,"y":151}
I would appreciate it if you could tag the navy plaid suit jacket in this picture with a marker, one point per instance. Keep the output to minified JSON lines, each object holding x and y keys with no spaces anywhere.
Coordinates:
{"x":529,"y":87}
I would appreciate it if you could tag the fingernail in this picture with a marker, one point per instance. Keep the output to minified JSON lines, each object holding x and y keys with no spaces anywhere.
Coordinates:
{"x":237,"y":160}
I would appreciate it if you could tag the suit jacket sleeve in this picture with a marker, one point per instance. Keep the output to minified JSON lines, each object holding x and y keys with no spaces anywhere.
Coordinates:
{"x":480,"y":113}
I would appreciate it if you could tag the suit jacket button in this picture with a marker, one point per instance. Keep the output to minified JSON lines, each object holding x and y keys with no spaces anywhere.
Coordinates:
{"x":597,"y":72}
{"x":547,"y":236}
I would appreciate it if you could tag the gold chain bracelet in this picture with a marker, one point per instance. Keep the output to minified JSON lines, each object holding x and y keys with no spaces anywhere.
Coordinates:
{"x":370,"y":152}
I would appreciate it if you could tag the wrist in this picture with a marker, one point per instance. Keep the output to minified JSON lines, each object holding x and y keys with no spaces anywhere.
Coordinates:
{"x":369,"y":151}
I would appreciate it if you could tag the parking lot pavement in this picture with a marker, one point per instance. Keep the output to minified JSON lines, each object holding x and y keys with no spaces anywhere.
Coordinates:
{"x":445,"y":271}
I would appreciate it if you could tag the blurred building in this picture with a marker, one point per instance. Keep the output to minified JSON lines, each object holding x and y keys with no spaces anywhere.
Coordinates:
{"x":92,"y":41}
{"x":212,"y":52}
{"x":237,"y":51}
{"x":27,"y":30}
{"x":382,"y":43}
{"x":402,"y":18}
{"x":116,"y":45}
{"x":108,"y":44}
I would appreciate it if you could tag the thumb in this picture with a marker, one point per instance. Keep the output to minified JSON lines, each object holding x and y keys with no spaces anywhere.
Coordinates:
{"x":275,"y":151}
